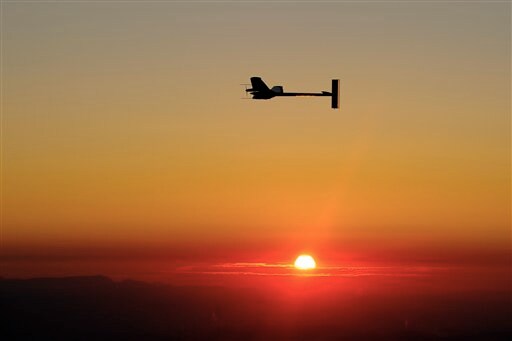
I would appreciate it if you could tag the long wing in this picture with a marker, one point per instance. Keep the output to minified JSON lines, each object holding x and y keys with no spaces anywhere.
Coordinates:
{"x":258,"y":84}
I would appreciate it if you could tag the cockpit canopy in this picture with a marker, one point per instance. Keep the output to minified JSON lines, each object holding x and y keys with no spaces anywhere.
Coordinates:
{"x":277,"y":89}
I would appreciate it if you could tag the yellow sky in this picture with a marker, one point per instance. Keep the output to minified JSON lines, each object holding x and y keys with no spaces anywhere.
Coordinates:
{"x":123,"y":121}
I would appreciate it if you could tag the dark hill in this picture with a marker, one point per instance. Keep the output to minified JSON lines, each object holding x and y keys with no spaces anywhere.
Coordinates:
{"x":92,"y":308}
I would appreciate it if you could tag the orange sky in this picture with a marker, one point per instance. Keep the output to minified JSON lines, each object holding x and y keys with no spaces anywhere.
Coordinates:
{"x":122,"y":127}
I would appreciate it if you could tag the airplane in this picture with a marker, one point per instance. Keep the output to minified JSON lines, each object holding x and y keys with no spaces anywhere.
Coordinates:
{"x":260,"y":90}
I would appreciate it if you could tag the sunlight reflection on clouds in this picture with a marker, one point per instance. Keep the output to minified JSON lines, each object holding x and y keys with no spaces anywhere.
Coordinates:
{"x":285,"y":269}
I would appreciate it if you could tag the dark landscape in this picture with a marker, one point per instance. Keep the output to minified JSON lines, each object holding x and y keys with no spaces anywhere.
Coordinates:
{"x":91,"y":308}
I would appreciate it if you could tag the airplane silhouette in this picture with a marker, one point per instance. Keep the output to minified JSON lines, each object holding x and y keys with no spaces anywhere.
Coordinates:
{"x":260,"y":90}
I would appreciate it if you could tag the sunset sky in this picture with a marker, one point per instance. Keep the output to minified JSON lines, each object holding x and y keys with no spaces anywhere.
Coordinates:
{"x":124,"y":133}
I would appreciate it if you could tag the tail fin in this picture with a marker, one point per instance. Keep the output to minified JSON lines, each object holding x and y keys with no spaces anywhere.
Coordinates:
{"x":258,"y":84}
{"x":335,"y":99}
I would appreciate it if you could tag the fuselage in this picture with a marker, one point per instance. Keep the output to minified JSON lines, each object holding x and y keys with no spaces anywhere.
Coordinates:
{"x":271,"y":94}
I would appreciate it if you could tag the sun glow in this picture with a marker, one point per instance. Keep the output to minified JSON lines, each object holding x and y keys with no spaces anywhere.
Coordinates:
{"x":305,"y":262}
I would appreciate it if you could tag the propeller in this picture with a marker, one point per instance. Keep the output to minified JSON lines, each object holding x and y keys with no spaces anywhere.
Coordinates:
{"x":246,"y":92}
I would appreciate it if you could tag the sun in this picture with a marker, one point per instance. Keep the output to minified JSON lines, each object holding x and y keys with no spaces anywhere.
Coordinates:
{"x":305,"y":262}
